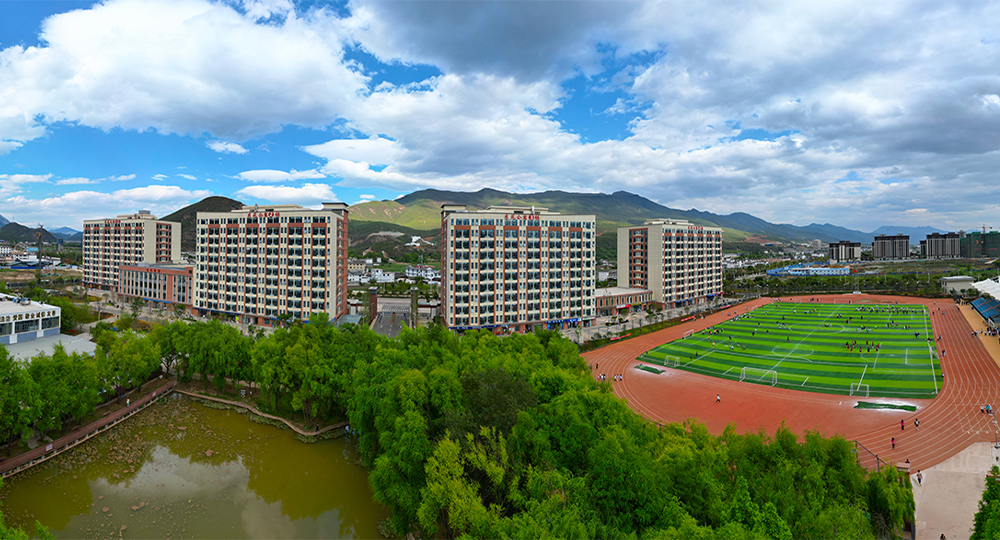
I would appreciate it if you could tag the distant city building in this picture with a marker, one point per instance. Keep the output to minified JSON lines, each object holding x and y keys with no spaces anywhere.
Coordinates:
{"x":817,"y":244}
{"x":845,"y":251}
{"x":128,"y":239}
{"x":356,"y":265}
{"x":890,"y":248}
{"x":166,"y":283}
{"x":943,"y":246}
{"x":681,"y":263}
{"x":24,"y":320}
{"x":622,"y":300}
{"x":260,"y":262}
{"x":516,"y":267}
{"x":974,"y":245}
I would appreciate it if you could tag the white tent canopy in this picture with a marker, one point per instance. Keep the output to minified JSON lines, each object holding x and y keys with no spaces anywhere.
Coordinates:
{"x":988,"y":286}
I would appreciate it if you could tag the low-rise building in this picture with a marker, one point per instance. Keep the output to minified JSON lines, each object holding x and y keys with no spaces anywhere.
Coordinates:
{"x":24,"y":320}
{"x":420,"y":271}
{"x":166,"y":283}
{"x":622,"y":300}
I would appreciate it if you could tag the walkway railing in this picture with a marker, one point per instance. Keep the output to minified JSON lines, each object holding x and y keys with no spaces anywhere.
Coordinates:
{"x":21,"y":462}
{"x":867,"y":458}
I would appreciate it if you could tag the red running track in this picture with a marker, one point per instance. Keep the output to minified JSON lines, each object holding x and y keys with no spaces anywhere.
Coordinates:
{"x":948,"y":423}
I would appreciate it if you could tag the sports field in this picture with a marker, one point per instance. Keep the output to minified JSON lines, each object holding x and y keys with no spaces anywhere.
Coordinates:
{"x":860,"y":350}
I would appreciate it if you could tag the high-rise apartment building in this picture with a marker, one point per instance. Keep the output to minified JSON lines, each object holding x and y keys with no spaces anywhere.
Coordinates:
{"x":845,"y":251}
{"x":517,"y":268}
{"x":943,"y":246}
{"x":260,"y":262}
{"x":677,"y":260}
{"x":975,"y":244}
{"x":889,"y":248}
{"x":128,"y":239}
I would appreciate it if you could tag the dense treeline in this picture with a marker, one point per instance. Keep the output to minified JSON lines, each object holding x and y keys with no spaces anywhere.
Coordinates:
{"x":511,"y":437}
{"x":52,"y":392}
{"x":986,"y":523}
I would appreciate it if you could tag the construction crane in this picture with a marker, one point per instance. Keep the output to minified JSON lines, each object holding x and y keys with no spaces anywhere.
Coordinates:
{"x":985,"y":227}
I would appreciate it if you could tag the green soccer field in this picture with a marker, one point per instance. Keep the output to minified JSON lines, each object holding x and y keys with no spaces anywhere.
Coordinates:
{"x":860,"y":350}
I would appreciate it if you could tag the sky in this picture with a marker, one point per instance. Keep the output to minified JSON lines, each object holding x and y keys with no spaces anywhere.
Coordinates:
{"x":860,"y":114}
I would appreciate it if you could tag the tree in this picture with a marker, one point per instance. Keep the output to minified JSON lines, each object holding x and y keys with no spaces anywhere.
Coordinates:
{"x":136,"y":306}
{"x":986,"y":523}
{"x":19,"y":401}
{"x":130,"y":360}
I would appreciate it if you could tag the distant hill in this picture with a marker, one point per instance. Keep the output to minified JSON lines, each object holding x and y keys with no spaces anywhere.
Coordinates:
{"x":15,"y":232}
{"x":3,"y":221}
{"x":188,"y":216}
{"x":422,"y":210}
{"x":67,"y":234}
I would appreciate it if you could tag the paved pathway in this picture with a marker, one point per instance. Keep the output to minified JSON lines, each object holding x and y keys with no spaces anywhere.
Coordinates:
{"x":949,"y":423}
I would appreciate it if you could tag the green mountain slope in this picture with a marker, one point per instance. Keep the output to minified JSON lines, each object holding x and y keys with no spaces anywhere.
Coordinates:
{"x":15,"y":232}
{"x":188,"y":215}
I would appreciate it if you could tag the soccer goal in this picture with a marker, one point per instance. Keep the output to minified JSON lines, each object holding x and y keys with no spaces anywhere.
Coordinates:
{"x":841,"y":300}
{"x":859,"y":388}
{"x":672,"y":361}
{"x":759,"y":375}
{"x":689,"y":333}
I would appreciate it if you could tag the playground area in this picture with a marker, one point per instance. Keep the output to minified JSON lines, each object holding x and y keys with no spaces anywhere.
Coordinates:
{"x":861,"y":349}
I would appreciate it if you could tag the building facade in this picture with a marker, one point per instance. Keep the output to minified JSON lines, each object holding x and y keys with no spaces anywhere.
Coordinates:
{"x":891,"y":248}
{"x":165,"y":283}
{"x":259,"y":263}
{"x":516,"y":268}
{"x":24,"y":320}
{"x":621,"y":301}
{"x":128,"y":239}
{"x":974,"y":244}
{"x":681,"y":263}
{"x":845,"y":251}
{"x":943,"y":246}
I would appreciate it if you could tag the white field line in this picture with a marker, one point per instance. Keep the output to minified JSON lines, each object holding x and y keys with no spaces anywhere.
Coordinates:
{"x":804,"y":382}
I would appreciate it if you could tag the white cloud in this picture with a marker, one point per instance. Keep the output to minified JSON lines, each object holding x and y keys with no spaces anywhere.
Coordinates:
{"x":366,"y":196}
{"x":267,"y":175}
{"x":76,"y":181}
{"x":160,"y":177}
{"x":226,"y":147}
{"x":13,"y":183}
{"x":178,"y":66}
{"x":8,"y":146}
{"x":70,"y":209}
{"x":123,"y":178}
{"x":187,"y":176}
{"x":305,"y":195}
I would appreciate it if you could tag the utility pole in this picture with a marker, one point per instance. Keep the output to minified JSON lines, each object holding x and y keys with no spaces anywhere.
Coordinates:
{"x":38,"y":265}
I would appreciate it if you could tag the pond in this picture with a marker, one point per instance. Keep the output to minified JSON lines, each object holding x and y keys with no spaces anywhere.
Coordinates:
{"x":183,"y":470}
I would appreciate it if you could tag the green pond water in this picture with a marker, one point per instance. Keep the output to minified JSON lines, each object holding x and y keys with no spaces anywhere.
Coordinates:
{"x":184,"y":470}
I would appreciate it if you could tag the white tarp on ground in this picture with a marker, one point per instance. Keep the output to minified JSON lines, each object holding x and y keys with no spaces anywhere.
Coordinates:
{"x":988,"y":286}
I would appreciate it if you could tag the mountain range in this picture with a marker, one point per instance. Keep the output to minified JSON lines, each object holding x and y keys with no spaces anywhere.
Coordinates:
{"x":422,"y":210}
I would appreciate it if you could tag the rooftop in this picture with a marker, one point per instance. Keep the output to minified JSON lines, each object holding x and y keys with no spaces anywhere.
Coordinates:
{"x":10,"y":304}
{"x":618,"y":291}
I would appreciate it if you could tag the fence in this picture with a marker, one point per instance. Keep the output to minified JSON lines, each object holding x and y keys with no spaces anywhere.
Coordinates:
{"x":19,"y":463}
{"x":867,"y":458}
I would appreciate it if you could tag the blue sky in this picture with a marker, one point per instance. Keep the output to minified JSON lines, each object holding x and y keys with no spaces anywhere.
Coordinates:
{"x":794,"y":112}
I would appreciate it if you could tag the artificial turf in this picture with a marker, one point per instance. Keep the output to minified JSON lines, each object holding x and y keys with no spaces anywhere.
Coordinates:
{"x":804,"y":346}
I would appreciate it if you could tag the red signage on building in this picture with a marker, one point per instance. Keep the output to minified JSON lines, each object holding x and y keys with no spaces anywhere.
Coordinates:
{"x":263,"y":214}
{"x":525,"y":217}
{"x":112,"y":221}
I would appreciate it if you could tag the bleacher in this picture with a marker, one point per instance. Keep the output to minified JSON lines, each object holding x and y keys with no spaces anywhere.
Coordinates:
{"x":988,"y":308}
